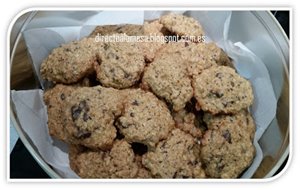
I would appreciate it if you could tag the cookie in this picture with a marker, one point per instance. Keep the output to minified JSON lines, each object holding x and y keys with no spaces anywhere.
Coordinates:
{"x":167,"y":77}
{"x":197,"y":56}
{"x":152,"y":30}
{"x":145,"y":119}
{"x":120,"y":64}
{"x":90,"y":113}
{"x":227,"y":148}
{"x":55,"y":100}
{"x":70,"y":62}
{"x":186,"y":121}
{"x":175,"y":157}
{"x":128,"y":29}
{"x":182,"y":25}
{"x":220,"y":89}
{"x":119,"y":162}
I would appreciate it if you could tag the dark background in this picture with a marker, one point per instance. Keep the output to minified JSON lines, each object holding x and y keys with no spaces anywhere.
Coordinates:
{"x":23,"y":165}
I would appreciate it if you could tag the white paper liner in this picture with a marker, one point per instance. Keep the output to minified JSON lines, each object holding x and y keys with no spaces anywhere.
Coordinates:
{"x":40,"y":42}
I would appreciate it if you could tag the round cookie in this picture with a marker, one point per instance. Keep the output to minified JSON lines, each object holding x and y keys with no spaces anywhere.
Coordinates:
{"x":228,"y":144}
{"x":220,"y":89}
{"x":120,"y":64}
{"x":55,"y":100}
{"x":70,"y":62}
{"x":145,"y":119}
{"x":175,"y":157}
{"x":90,"y":114}
{"x":197,"y":56}
{"x":182,"y":25}
{"x":167,"y":77}
{"x":119,"y":162}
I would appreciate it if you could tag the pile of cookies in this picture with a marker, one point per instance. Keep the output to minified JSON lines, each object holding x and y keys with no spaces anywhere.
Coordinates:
{"x":168,"y":109}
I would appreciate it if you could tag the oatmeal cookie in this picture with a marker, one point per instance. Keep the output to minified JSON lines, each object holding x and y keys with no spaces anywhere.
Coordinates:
{"x":90,"y":114}
{"x":120,"y":64}
{"x":227,"y":146}
{"x":175,"y":157}
{"x":182,"y":25}
{"x":119,"y":162}
{"x":55,"y":100}
{"x":197,"y":56}
{"x":220,"y":89}
{"x":70,"y":62}
{"x":145,"y":119}
{"x":167,"y":77}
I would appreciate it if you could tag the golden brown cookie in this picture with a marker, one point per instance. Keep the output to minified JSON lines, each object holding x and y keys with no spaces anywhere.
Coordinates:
{"x":220,"y":89}
{"x":56,"y":101}
{"x":182,"y":25}
{"x":119,"y":162}
{"x":70,"y":62}
{"x":228,"y":144}
{"x":145,"y":119}
{"x":197,"y":56}
{"x":167,"y":77}
{"x":175,"y":157}
{"x":90,"y":113}
{"x":120,"y":64}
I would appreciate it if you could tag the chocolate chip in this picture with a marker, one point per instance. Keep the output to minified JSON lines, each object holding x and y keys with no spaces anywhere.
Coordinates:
{"x":119,"y":29}
{"x":106,"y":46}
{"x":220,"y":166}
{"x":67,"y":49}
{"x":131,"y":114}
{"x":86,"y":117}
{"x":179,"y":142}
{"x":113,"y":56}
{"x":219,"y":95}
{"x":82,"y":104}
{"x":186,"y":44}
{"x":135,"y":103}
{"x":126,"y":75}
{"x":227,"y":136}
{"x":232,"y":84}
{"x":219,"y":75}
{"x":83,"y":134}
{"x":163,"y":146}
{"x":62,"y":96}
{"x":75,"y":110}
